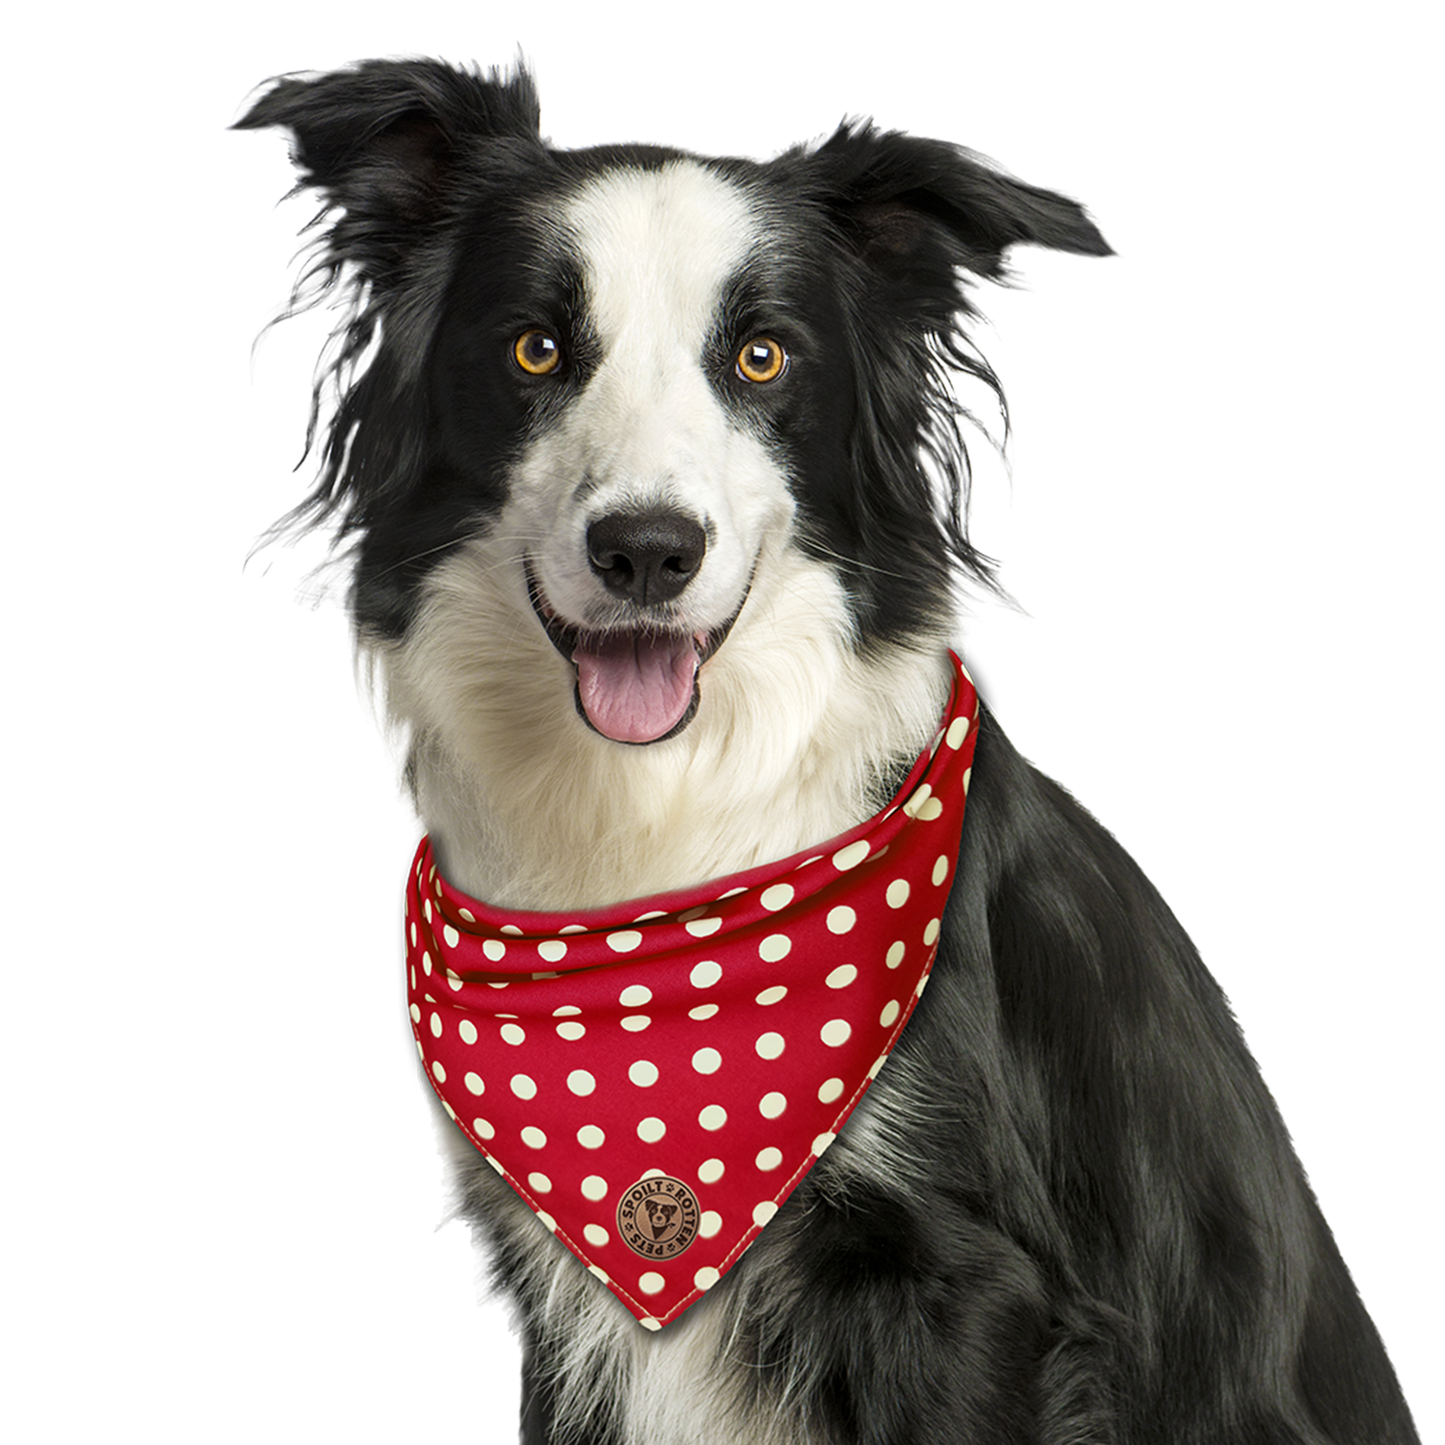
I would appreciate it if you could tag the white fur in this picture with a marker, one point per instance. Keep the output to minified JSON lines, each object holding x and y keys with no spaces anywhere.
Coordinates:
{"x":791,"y":744}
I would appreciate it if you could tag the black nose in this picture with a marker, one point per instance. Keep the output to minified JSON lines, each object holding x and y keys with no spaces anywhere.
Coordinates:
{"x":645,"y":556}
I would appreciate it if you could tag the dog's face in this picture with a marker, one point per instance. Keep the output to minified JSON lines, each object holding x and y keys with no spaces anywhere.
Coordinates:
{"x":645,"y":382}
{"x":606,"y":392}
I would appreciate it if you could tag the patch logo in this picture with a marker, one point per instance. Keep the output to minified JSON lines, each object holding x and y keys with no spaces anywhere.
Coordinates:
{"x":658,"y":1217}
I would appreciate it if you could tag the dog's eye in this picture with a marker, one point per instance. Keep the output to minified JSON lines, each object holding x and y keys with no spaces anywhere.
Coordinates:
{"x":537,"y":352}
{"x":762,"y":359}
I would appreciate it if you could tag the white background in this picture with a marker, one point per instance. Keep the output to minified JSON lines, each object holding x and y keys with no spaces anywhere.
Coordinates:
{"x":222,"y":1200}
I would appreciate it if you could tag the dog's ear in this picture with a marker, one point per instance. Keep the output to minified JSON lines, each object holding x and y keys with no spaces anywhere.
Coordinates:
{"x":380,"y":140}
{"x":902,"y":199}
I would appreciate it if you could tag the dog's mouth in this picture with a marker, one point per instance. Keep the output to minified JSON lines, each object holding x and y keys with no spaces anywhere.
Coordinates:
{"x":635,"y":685}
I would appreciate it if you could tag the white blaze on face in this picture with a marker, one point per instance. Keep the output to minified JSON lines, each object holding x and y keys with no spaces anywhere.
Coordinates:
{"x":658,"y":250}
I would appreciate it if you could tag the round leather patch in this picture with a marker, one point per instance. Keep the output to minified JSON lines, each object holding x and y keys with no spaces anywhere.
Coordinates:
{"x":658,"y":1217}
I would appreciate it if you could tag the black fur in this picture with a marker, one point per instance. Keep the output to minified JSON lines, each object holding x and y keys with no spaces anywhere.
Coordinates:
{"x":1096,"y":1229}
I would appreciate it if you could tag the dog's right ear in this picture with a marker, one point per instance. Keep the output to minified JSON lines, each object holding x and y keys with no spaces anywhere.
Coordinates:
{"x":380,"y":140}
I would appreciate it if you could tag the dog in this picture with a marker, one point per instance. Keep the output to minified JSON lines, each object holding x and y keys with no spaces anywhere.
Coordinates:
{"x":652,"y":470}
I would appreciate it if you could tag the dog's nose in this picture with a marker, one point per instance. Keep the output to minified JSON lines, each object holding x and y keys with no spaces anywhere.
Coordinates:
{"x":645,"y":556}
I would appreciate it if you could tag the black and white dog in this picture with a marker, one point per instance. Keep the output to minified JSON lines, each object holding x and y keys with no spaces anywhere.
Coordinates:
{"x":652,"y":470}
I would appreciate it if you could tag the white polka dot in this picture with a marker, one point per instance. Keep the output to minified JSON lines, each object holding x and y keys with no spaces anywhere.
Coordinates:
{"x":496,"y":1166}
{"x":573,"y":928}
{"x":769,"y":1158}
{"x":552,"y":950}
{"x":415,"y":1014}
{"x":514,"y":1034}
{"x":426,"y":908}
{"x":957,"y":731}
{"x":426,"y":963}
{"x":889,"y":1016}
{"x":895,"y":954}
{"x":566,"y":1011}
{"x":546,"y":1220}
{"x":650,"y":1130}
{"x":494,"y":948}
{"x":534,"y":1138}
{"x":451,"y":935}
{"x":731,"y":893}
{"x":922,"y":984}
{"x":512,"y":929}
{"x":835,"y":1032}
{"x":650,"y":1324}
{"x":589,"y":1136}
{"x":770,"y":1106}
{"x":703,"y":927}
{"x":606,"y":1278}
{"x":571,"y":1030}
{"x":776,"y":897}
{"x":841,"y":976}
{"x":706,"y":1277}
{"x":524,"y":1087}
{"x":413,"y":935}
{"x":772,"y":995}
{"x":877,"y":1065}
{"x":438,"y":1072}
{"x":635,"y":1023}
{"x":624,"y":940}
{"x":841,"y":919}
{"x":581,"y":1082}
{"x":919,"y":798}
{"x":454,"y":979}
{"x":594,"y":1234}
{"x":467,"y":914}
{"x":705,"y":974}
{"x":940,"y":869}
{"x":413,"y":977}
{"x":821,"y":1143}
{"x":714,"y":1116}
{"x":930,"y":934}
{"x":830,"y":1089}
{"x":851,"y":856}
{"x":594,"y":1187}
{"x":764,"y":1212}
{"x":707,"y":1061}
{"x":468,"y":1030}
{"x":774,"y":947}
{"x":710,"y":1171}
{"x":475,"y":1085}
{"x":451,"y":1113}
{"x":540,"y":1183}
{"x":634,"y":996}
{"x":653,"y":1174}
{"x":770,"y":1046}
{"x":643,"y":1073}
{"x":931,"y":810}
{"x":709,"y":1223}
{"x":897,"y":894}
{"x":651,"y":1282}
{"x":482,"y":1129}
{"x":967,"y":774}
{"x":655,"y":913}
{"x":702,"y":1011}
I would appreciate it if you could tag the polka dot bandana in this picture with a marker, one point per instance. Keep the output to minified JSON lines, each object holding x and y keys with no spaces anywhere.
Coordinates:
{"x":654,"y":1078}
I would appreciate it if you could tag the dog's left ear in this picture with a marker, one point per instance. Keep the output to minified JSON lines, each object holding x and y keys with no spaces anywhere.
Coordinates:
{"x":901,"y":198}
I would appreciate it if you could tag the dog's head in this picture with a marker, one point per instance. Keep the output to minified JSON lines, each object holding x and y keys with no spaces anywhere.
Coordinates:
{"x":633,"y":377}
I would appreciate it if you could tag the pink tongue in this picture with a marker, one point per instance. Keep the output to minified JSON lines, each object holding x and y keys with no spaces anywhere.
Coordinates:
{"x":635,"y":688}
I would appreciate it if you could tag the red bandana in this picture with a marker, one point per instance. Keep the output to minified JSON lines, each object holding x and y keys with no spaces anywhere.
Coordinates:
{"x":654,"y":1078}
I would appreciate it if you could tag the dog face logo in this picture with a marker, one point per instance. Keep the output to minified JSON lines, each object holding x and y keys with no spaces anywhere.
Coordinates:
{"x":658,"y":1217}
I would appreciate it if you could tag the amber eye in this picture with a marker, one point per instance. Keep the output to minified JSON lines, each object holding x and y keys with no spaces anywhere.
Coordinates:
{"x":762,"y":359}
{"x":537,"y":352}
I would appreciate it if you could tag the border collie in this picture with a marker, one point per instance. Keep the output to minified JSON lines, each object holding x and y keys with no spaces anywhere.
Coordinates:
{"x":652,"y":470}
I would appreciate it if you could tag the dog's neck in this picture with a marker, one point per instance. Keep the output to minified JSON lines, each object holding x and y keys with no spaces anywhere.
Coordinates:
{"x":799,"y":736}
